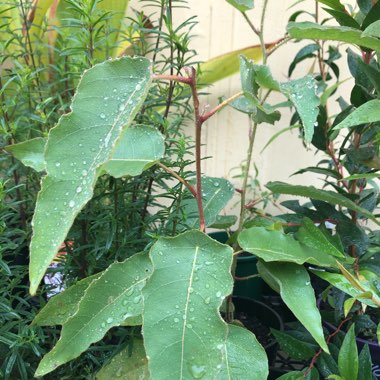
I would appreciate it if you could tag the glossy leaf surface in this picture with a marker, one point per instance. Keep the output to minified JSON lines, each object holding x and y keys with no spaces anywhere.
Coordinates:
{"x":295,"y":289}
{"x":107,"y":302}
{"x":108,"y":97}
{"x":348,"y":362}
{"x":184,"y":335}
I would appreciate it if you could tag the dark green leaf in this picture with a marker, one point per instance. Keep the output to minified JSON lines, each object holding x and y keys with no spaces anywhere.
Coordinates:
{"x":372,"y":16}
{"x":334,"y":4}
{"x":365,"y":364}
{"x":343,"y":18}
{"x":306,"y":52}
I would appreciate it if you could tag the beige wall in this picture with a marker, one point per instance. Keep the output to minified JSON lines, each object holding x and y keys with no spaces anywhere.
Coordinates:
{"x":222,"y":29}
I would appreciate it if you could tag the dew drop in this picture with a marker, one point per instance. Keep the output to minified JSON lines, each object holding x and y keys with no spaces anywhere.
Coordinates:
{"x":307,"y":283}
{"x":102,"y":116}
{"x":79,"y":189}
{"x":138,"y":87}
{"x":216,"y":184}
{"x":137,"y":299}
{"x":84,"y":173}
{"x":176,"y":320}
{"x":71,"y":204}
{"x":109,"y":320}
{"x":58,"y":164}
{"x":207,"y":300}
{"x":197,"y":371}
{"x":218,"y":294}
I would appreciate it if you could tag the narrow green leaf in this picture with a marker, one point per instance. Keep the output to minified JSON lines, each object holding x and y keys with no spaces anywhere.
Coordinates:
{"x":301,"y":92}
{"x":313,"y":237}
{"x":369,"y":112}
{"x":107,"y":302}
{"x":365,"y":364}
{"x":310,"y":30}
{"x":30,"y":153}
{"x":378,"y":332}
{"x":242,"y":5}
{"x":348,"y":303}
{"x":130,"y":363}
{"x":343,"y":18}
{"x":343,"y":284}
{"x":372,"y":16}
{"x":224,"y":221}
{"x":277,"y":246}
{"x":334,"y":4}
{"x":307,"y":51}
{"x":243,"y":355}
{"x":278,"y":134}
{"x":348,"y":361}
{"x":295,"y":290}
{"x":64,"y":305}
{"x":216,"y":193}
{"x":373,"y":30}
{"x":320,"y":195}
{"x":138,"y":148}
{"x":362,"y":176}
{"x":316,"y":169}
{"x":108,"y":97}
{"x":184,"y":334}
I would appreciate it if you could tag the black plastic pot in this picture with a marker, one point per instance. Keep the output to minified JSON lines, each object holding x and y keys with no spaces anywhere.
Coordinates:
{"x":266,"y":315}
{"x":246,"y":266}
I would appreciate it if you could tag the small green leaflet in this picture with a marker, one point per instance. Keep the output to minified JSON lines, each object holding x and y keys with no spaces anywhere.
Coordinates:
{"x":130,"y":363}
{"x":373,"y":30}
{"x":107,"y":302}
{"x":277,"y":246}
{"x":30,"y":153}
{"x":242,"y":5}
{"x":184,"y":335}
{"x":139,"y":148}
{"x":369,"y":112}
{"x":107,"y":99}
{"x":293,"y":283}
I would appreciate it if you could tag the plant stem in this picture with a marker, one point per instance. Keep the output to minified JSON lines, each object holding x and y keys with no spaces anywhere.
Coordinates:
{"x":180,"y":179}
{"x":261,"y":34}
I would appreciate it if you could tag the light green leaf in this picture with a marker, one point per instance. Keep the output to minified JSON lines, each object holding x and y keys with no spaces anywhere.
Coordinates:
{"x":320,"y":195}
{"x":301,"y":92}
{"x":362,"y":176}
{"x":184,"y":334}
{"x":365,"y":364}
{"x":348,"y":303}
{"x":107,"y":99}
{"x":293,"y":281}
{"x":138,"y":148}
{"x":243,"y":355}
{"x":348,"y":361}
{"x":30,"y":153}
{"x":263,"y":76}
{"x":224,"y":221}
{"x":310,"y":30}
{"x":216,"y":193}
{"x":107,"y":302}
{"x":313,"y":237}
{"x":373,"y":30}
{"x":378,"y":332}
{"x":242,"y":5}
{"x":277,"y":246}
{"x":369,"y":112}
{"x":342,"y":283}
{"x":278,"y":134}
{"x":129,"y":364}
{"x":64,"y":305}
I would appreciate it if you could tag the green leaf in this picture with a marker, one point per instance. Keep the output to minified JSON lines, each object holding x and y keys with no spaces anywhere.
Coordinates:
{"x":306,"y":52}
{"x":348,"y":303}
{"x":373,"y":30}
{"x":295,"y":348}
{"x":108,"y":97}
{"x":293,"y":282}
{"x":365,"y":364}
{"x":348,"y":361}
{"x":343,"y":284}
{"x":30,"y":153}
{"x":301,"y":92}
{"x":372,"y":16}
{"x":334,"y":4}
{"x":264,"y":78}
{"x":242,"y":5}
{"x":278,"y":134}
{"x":378,"y":332}
{"x":320,"y":195}
{"x":243,"y":355}
{"x":224,"y":221}
{"x":276,"y":246}
{"x":184,"y":334}
{"x":362,"y":176}
{"x":64,"y":305}
{"x":130,"y":363}
{"x":367,"y":113}
{"x":138,"y":148}
{"x":343,"y":18}
{"x":313,"y":237}
{"x":107,"y":302}
{"x":310,"y":30}
{"x":216,"y":193}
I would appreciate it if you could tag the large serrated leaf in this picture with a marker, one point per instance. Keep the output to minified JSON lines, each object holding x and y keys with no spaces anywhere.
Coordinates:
{"x":107,"y":99}
{"x":184,"y":334}
{"x":277,"y":246}
{"x":315,"y":31}
{"x":320,"y":195}
{"x":216,"y":193}
{"x":301,"y":92}
{"x":294,"y":286}
{"x":139,"y":148}
{"x":243,"y":355}
{"x":129,"y":364}
{"x":64,"y":305}
{"x":367,"y":113}
{"x":30,"y":153}
{"x":107,"y":302}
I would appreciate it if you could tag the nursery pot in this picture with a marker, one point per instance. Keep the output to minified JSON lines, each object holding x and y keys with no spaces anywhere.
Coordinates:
{"x":246,"y":266}
{"x":257,"y":311}
{"x":374,"y":347}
